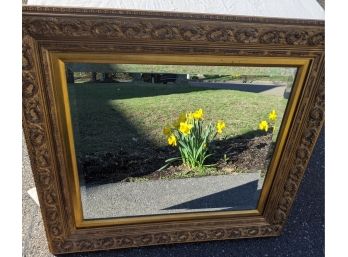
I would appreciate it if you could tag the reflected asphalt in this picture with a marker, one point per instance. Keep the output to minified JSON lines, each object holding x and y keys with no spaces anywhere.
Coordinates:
{"x":238,"y":191}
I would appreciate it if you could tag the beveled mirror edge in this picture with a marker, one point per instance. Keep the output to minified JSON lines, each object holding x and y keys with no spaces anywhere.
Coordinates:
{"x":38,"y":126}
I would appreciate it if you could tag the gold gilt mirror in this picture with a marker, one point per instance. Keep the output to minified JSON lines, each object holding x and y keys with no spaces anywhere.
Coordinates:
{"x":149,"y":128}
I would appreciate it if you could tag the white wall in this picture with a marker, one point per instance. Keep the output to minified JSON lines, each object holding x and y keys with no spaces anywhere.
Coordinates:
{"x":301,"y":9}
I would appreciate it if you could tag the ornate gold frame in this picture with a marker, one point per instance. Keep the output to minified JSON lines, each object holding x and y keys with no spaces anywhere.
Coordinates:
{"x":53,"y":36}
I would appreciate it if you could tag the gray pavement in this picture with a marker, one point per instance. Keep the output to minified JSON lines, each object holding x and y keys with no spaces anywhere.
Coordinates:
{"x":212,"y":193}
{"x":33,"y":234}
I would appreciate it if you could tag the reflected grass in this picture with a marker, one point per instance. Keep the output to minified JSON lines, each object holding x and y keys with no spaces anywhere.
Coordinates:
{"x":109,"y":117}
{"x":241,"y":111}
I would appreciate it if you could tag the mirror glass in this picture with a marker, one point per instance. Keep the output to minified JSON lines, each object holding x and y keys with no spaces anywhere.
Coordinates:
{"x":160,"y":139}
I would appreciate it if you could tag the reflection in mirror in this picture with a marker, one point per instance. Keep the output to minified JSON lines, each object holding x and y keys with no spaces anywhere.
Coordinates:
{"x":159,"y":139}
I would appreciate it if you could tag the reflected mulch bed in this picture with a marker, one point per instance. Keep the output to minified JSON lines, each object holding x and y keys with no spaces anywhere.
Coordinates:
{"x":238,"y":154}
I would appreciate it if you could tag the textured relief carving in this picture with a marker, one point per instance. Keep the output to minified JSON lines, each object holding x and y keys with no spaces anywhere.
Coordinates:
{"x":309,"y":135}
{"x":163,"y":238}
{"x":29,"y":89}
{"x":219,"y":35}
{"x":26,"y":61}
{"x":272,"y":37}
{"x":126,"y":29}
{"x":192,"y":33}
{"x":160,"y":32}
{"x":36,"y":136}
{"x":37,"y":142}
{"x":44,"y":178}
{"x":28,"y":80}
{"x":118,"y":31}
{"x":33,"y":112}
{"x":247,"y":35}
{"x":296,"y":38}
{"x":317,"y":39}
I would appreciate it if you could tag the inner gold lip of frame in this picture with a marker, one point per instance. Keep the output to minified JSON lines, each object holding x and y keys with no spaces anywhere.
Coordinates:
{"x":57,"y":66}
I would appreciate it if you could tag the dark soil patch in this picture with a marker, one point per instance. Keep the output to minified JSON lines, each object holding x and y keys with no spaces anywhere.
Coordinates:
{"x":248,"y":153}
{"x":244,"y":154}
{"x":118,"y":166}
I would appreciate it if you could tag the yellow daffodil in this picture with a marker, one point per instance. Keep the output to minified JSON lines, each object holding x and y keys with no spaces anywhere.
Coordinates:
{"x":172,"y":140}
{"x":185,"y":128}
{"x":198,"y":115}
{"x":263,"y":125}
{"x":272,"y":116}
{"x":220,"y":125}
{"x":167,"y":131}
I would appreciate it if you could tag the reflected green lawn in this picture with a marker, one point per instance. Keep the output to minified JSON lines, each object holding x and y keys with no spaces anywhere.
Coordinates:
{"x":110,"y":117}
